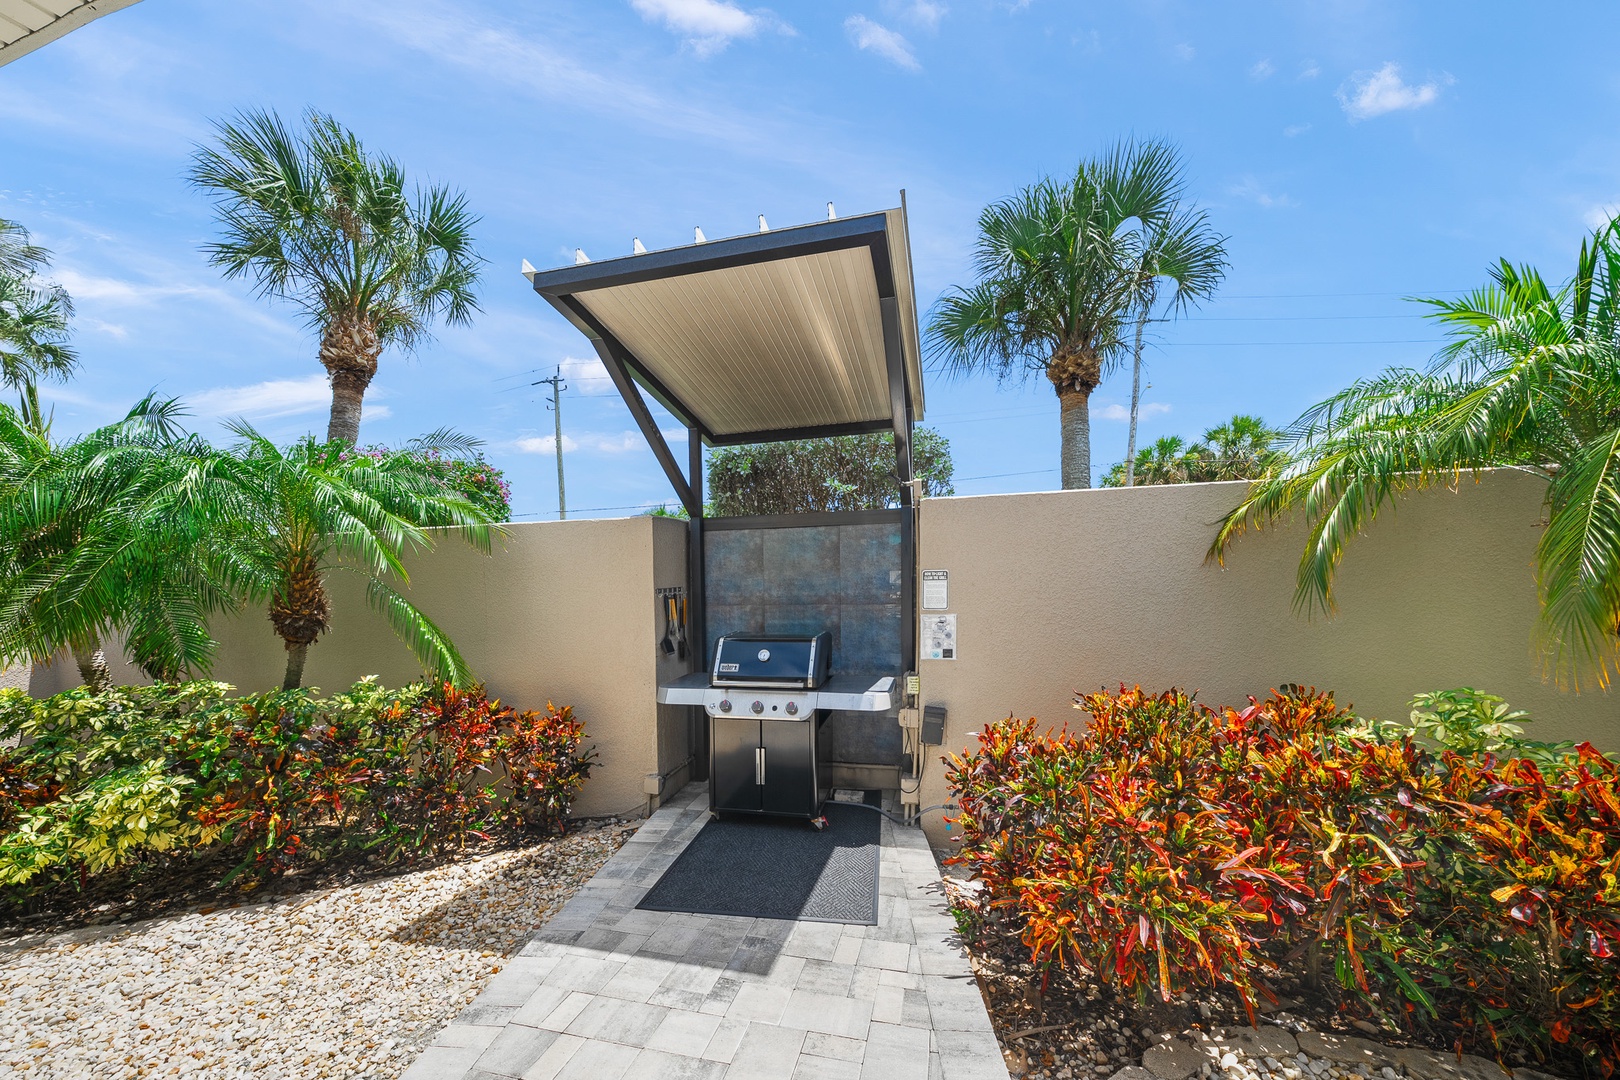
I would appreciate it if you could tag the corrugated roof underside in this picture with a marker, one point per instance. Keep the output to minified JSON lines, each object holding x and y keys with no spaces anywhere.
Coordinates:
{"x":791,"y":343}
{"x":22,"y":20}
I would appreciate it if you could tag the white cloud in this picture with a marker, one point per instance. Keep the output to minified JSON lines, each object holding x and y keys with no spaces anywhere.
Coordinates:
{"x":1370,"y":94}
{"x":877,"y":38}
{"x":113,"y":330}
{"x":1116,"y":411}
{"x":587,"y":377}
{"x":599,"y":442}
{"x":163,"y":284}
{"x":539,"y":68}
{"x":1599,"y":216}
{"x":1263,"y":69}
{"x":924,"y":13}
{"x":708,"y":25}
{"x":1184,"y":52}
{"x":544,"y":444}
{"x":1293,"y":130}
{"x":1310,"y":69}
{"x":1249,"y":188}
{"x":272,"y":398}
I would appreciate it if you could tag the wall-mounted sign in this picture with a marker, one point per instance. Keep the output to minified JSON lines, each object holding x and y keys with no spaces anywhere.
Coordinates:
{"x":939,"y":637}
{"x":935,"y":585}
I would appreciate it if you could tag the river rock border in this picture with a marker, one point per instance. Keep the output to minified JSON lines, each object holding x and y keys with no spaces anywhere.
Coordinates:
{"x":1275,"y":1053}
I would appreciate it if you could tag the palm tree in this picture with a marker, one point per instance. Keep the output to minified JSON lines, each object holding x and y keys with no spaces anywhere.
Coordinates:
{"x":1168,"y":460}
{"x":33,"y":321}
{"x":314,"y":220}
{"x":1181,"y":251}
{"x":87,"y":551}
{"x":1242,"y":448}
{"x":1060,"y":272}
{"x":281,"y":521}
{"x":1531,"y":380}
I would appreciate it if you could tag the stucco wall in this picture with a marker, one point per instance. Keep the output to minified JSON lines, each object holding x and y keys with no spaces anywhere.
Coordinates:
{"x":561,"y":611}
{"x":1061,"y":591}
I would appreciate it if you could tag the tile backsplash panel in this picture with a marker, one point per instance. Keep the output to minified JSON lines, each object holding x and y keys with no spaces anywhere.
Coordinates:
{"x":844,"y":579}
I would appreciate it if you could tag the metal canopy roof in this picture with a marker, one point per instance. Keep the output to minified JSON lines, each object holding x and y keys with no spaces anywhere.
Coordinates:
{"x":787,"y":334}
{"x":25,"y":25}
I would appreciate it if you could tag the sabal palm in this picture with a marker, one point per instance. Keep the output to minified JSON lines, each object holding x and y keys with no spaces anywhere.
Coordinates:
{"x":89,"y":548}
{"x":1241,"y":448}
{"x":314,"y":220}
{"x":34,"y":319}
{"x":1530,"y":379}
{"x":1059,"y":278}
{"x":283,"y":520}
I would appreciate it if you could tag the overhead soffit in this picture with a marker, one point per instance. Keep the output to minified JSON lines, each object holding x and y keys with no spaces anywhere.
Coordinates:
{"x":25,"y":25}
{"x":707,"y":337}
{"x":778,"y":332}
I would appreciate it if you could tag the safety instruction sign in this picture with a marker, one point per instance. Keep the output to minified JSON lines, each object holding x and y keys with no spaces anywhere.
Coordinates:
{"x":939,"y":637}
{"x":935,"y":584}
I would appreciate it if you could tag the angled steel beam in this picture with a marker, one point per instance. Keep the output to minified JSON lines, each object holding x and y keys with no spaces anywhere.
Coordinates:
{"x":613,"y":355}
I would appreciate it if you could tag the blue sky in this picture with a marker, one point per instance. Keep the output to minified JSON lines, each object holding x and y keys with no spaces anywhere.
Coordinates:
{"x":1354,"y":152}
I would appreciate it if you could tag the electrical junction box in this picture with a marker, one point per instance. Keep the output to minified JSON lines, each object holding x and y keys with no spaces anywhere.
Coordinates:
{"x":910,"y":719}
{"x":933,"y":725}
{"x":652,"y":784}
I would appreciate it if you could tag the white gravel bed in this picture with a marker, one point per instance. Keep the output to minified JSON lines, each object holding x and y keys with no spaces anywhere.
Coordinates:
{"x":348,"y":982}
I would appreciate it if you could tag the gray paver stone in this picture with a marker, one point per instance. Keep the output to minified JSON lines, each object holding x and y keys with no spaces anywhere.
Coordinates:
{"x":1173,"y":1059}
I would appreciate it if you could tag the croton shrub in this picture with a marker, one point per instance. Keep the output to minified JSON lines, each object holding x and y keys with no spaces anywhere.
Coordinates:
{"x":1169,"y":844}
{"x":95,"y":783}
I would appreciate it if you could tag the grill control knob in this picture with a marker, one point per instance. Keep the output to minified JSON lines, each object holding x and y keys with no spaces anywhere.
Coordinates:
{"x":725,"y":704}
{"x":759,"y":706}
{"x":791,"y":708}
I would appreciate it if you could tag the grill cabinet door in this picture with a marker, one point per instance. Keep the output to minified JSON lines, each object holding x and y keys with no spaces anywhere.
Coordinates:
{"x":790,"y":766}
{"x":735,"y":752}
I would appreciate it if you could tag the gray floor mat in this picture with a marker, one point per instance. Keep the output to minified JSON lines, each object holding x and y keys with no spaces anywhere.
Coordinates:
{"x":778,"y":868}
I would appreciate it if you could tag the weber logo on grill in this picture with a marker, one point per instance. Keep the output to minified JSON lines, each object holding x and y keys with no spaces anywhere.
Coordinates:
{"x":727,"y":668}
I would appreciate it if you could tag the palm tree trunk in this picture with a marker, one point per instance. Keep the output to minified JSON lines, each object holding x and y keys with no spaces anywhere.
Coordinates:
{"x":93,"y":668}
{"x":1076,"y":411}
{"x":1136,"y":400}
{"x":349,"y":351}
{"x":297,"y":652}
{"x":348,"y":390}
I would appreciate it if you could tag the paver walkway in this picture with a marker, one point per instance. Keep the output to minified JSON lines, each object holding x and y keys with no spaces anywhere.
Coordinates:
{"x":606,"y":992}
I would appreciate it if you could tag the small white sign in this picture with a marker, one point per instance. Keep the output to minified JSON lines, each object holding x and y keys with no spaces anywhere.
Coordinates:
{"x":939,"y":637}
{"x":936,"y":584}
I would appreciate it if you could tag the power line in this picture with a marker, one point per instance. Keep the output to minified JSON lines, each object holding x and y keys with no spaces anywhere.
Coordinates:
{"x":999,"y":475}
{"x":1378,"y":341}
{"x":1325,"y":295}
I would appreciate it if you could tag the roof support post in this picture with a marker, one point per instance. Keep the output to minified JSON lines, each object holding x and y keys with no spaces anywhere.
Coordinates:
{"x":697,"y":599}
{"x":900,"y":417}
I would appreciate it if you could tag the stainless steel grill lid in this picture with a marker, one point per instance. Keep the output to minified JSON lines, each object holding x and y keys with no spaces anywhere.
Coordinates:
{"x":772,"y":660}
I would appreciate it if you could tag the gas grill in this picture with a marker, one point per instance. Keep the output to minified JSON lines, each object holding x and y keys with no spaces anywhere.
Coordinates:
{"x":767,"y":699}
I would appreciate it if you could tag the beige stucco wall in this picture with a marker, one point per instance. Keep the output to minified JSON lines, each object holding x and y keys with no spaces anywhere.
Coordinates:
{"x":1061,"y":591}
{"x":561,"y":611}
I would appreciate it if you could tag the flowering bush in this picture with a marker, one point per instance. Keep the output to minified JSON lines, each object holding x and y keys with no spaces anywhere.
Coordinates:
{"x":283,"y":778}
{"x":471,"y":476}
{"x":1170,"y":844}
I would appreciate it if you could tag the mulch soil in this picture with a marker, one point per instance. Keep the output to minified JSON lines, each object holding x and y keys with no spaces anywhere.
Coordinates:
{"x":1074,"y":1026}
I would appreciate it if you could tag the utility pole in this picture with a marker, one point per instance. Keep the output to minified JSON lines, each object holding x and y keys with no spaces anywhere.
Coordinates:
{"x":557,"y":387}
